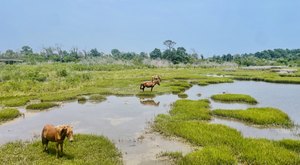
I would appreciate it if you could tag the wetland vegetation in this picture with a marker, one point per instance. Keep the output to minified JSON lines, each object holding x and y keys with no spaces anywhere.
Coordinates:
{"x":234,"y":98}
{"x":259,"y":116}
{"x":41,"y":106}
{"x":188,"y":119}
{"x":19,"y":83}
{"x":86,"y":149}
{"x":9,"y":114}
{"x":216,"y":137}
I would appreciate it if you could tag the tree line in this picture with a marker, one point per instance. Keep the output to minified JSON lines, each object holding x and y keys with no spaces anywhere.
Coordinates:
{"x":171,"y":53}
{"x":287,"y":57}
{"x":57,"y":54}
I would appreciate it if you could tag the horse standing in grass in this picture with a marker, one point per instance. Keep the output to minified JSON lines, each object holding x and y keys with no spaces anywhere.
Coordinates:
{"x":56,"y":134}
{"x":149,"y":84}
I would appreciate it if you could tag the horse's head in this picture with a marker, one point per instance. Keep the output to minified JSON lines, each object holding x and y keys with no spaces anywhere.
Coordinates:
{"x":156,"y":77}
{"x":157,"y":82}
{"x":65,"y":131}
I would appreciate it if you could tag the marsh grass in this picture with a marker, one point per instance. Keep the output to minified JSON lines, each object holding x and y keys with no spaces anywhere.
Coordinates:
{"x":59,"y":97}
{"x":182,"y":95}
{"x":290,"y":144}
{"x":97,"y":98}
{"x":221,"y":144}
{"x":213,"y":80}
{"x":81,"y":99}
{"x":191,"y":110}
{"x":259,"y":116}
{"x":41,"y":106}
{"x":8,"y":114}
{"x":262,"y":151}
{"x":234,"y":98}
{"x":15,"y":101}
{"x":86,"y":149}
{"x":210,"y":155}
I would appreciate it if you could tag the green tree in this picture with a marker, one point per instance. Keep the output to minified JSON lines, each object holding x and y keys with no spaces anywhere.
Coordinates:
{"x":116,"y":53}
{"x":26,"y":50}
{"x":169,"y":44}
{"x":155,"y":54}
{"x":94,"y":53}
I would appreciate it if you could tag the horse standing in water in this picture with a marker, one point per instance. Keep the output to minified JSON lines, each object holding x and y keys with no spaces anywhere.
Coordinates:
{"x":149,"y":84}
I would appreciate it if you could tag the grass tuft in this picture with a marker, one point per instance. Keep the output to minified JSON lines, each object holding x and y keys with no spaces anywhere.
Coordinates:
{"x":182,"y":95}
{"x":234,"y":98}
{"x":41,"y":106}
{"x":191,"y":110}
{"x":260,"y":116}
{"x":97,"y":97}
{"x":9,"y":114}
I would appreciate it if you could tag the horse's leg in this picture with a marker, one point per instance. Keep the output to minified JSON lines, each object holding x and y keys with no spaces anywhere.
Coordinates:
{"x":142,"y":87}
{"x":151,"y":89}
{"x":61,"y":148}
{"x":57,"y":150}
{"x":45,"y":144}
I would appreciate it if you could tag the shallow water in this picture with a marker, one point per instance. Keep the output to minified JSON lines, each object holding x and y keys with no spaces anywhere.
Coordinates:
{"x":124,"y":120}
{"x":282,"y":96}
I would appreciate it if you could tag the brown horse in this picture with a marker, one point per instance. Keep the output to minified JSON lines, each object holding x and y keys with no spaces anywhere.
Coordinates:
{"x":56,"y":134}
{"x":149,"y":84}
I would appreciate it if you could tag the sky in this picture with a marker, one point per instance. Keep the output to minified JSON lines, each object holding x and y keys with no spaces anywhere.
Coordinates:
{"x":209,"y":27}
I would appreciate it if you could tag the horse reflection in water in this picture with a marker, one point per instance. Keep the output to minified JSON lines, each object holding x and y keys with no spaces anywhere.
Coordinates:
{"x":149,"y":102}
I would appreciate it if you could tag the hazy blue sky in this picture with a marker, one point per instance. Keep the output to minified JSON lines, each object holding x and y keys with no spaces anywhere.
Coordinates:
{"x":208,"y":26}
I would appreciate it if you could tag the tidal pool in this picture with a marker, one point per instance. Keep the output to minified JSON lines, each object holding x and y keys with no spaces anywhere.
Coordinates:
{"x":125,"y":120}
